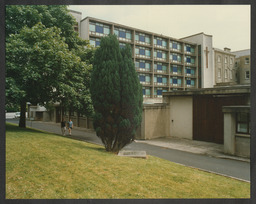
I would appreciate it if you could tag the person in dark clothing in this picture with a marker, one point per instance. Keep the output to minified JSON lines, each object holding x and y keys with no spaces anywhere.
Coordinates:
{"x":63,"y":127}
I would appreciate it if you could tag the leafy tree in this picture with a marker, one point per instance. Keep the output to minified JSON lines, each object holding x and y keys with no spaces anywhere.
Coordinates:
{"x":116,"y":95}
{"x":40,"y":70}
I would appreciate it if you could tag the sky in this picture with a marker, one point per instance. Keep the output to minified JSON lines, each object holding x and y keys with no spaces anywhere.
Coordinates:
{"x":230,"y":25}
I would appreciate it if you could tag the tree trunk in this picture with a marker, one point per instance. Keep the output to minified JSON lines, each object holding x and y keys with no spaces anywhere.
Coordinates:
{"x":22,"y":122}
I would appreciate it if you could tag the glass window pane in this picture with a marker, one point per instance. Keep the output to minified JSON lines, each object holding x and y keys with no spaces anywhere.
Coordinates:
{"x":116,"y":32}
{"x":142,"y":78}
{"x":148,"y":40}
{"x":106,"y":30}
{"x":142,"y":52}
{"x":159,"y":54}
{"x":122,"y":34}
{"x":159,"y":67}
{"x":142,"y":65}
{"x":92,"y":27}
{"x":159,"y":92}
{"x":148,"y":92}
{"x":137,"y":37}
{"x":99,"y":29}
{"x":128,"y":35}
{"x":148,"y":53}
{"x":159,"y":42}
{"x":175,"y":81}
{"x":142,"y":38}
{"x":159,"y":79}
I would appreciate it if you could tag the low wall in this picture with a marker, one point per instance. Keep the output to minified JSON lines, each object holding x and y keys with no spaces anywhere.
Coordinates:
{"x":242,"y":145}
{"x":154,"y":122}
{"x":235,"y":143}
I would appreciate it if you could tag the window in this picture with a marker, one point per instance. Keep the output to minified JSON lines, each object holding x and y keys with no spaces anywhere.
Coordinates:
{"x":142,"y":78}
{"x":231,"y":74}
{"x":121,"y":45}
{"x":219,"y":73}
{"x":174,"y":69}
{"x":175,"y":81}
{"x":243,"y":123}
{"x":175,"y":57}
{"x":160,"y":55}
{"x":231,"y":60}
{"x":226,"y":60}
{"x":219,"y":59}
{"x":158,"y":92}
{"x":123,"y":34}
{"x":92,"y":27}
{"x":146,"y":92}
{"x":175,"y":45}
{"x":142,"y":38}
{"x":226,"y":73}
{"x":190,"y":71}
{"x":143,"y":65}
{"x":142,"y":52}
{"x":95,"y":42}
{"x":247,"y":60}
{"x":99,"y":29}
{"x":247,"y":75}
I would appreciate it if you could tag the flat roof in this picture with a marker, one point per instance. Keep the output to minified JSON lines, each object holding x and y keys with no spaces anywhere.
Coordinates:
{"x":223,"y":90}
{"x":202,"y":33}
{"x":136,"y":29}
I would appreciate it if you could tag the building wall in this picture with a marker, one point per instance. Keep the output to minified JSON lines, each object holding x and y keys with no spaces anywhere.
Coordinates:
{"x":181,"y":113}
{"x":225,"y":71}
{"x":243,"y":65}
{"x":154,"y":122}
{"x":207,"y":70}
{"x":162,"y":63}
{"x":78,"y":16}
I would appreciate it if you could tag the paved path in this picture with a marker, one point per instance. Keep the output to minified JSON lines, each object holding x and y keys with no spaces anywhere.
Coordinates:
{"x":189,"y":153}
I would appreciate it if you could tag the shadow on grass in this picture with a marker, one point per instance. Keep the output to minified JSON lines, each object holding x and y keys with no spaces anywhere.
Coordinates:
{"x":15,"y":128}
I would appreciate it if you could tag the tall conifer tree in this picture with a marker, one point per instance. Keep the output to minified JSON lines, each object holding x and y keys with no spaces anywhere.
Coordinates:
{"x":116,"y":95}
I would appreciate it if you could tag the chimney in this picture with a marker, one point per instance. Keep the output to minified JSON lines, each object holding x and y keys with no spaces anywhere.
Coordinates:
{"x":227,"y":49}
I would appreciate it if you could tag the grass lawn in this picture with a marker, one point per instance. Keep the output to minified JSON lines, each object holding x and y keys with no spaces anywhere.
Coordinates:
{"x":46,"y":166}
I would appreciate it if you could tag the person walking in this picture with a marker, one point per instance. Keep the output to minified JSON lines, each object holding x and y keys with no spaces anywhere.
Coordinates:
{"x":63,"y":127}
{"x":70,"y":126}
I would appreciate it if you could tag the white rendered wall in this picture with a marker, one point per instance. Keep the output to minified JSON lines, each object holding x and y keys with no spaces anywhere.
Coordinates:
{"x":85,"y":29}
{"x":181,"y":117}
{"x":208,"y":79}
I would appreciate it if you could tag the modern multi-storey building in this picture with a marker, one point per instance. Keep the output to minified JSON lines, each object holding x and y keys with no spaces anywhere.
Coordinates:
{"x":216,"y":66}
{"x":162,"y":63}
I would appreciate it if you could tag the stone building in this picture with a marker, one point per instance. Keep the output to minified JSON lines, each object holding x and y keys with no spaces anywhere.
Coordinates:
{"x":225,"y":70}
{"x":243,"y":65}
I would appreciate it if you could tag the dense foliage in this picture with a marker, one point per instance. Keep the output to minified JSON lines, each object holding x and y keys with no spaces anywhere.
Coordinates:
{"x":46,"y":61}
{"x":116,"y":95}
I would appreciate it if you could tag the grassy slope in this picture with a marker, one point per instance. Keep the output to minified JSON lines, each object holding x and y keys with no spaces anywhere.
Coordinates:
{"x":42,"y":165}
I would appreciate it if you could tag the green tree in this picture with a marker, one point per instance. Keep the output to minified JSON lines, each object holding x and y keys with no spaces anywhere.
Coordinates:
{"x":41,"y":69}
{"x":27,"y":54}
{"x":116,"y":95}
